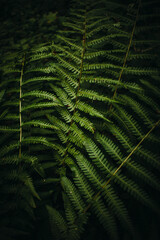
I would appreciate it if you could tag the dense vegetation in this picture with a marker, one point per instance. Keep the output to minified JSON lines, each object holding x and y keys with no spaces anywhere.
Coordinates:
{"x":79,"y":122}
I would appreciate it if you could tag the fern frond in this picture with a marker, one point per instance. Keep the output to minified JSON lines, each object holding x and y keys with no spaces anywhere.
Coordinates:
{"x":38,"y":123}
{"x":72,"y":193}
{"x":83,"y":122}
{"x":73,"y":116}
{"x":98,"y":157}
{"x":133,"y":189}
{"x":7,"y":129}
{"x":40,"y":105}
{"x":106,"y":218}
{"x":57,"y":223}
{"x":115,"y":203}
{"x":71,"y":44}
{"x":89,"y":171}
{"x":82,"y":106}
{"x":41,"y":94}
{"x":94,"y":96}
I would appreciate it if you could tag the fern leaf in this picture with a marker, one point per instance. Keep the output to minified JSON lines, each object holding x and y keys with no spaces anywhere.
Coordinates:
{"x":72,"y":193}
{"x":38,"y":123}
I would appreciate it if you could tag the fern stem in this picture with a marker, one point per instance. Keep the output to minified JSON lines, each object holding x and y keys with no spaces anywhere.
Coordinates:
{"x":81,"y":69}
{"x":20,"y":107}
{"x":127,"y":52}
{"x":121,"y":165}
{"x":79,"y":82}
{"x":81,"y":66}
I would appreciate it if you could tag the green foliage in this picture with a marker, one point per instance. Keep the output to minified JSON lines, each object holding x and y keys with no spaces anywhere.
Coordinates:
{"x":77,"y":123}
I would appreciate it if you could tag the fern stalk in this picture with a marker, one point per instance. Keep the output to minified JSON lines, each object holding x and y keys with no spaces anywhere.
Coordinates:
{"x":82,"y":59}
{"x":79,"y":81}
{"x":127,"y":52}
{"x":121,"y":165}
{"x":20,"y":108}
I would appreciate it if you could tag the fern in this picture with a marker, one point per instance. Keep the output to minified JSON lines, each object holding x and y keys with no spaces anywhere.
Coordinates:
{"x":78,"y":119}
